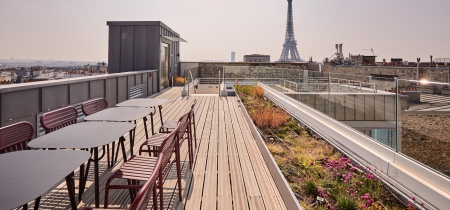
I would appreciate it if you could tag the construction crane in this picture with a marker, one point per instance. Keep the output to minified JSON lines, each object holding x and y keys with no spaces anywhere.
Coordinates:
{"x":371,"y":50}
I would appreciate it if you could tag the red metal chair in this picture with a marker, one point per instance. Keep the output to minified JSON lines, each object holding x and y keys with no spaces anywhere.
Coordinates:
{"x":139,"y":168}
{"x":143,"y":196}
{"x":170,"y":124}
{"x":93,"y":106}
{"x":15,"y":137}
{"x":154,"y":142}
{"x":57,"y":119}
{"x":60,"y":118}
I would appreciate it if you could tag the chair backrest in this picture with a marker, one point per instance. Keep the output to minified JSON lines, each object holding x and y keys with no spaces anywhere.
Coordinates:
{"x":93,"y":106}
{"x":54,"y":120}
{"x":15,"y":137}
{"x":184,"y":123}
{"x":168,"y":145}
{"x":193,"y":104}
{"x":191,"y":116}
{"x":142,"y":198}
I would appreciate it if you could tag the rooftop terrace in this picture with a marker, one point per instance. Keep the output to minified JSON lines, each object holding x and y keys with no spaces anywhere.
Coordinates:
{"x":229,"y":171}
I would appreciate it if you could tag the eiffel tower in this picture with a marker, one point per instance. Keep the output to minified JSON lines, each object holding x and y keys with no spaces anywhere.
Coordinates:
{"x":290,"y":52}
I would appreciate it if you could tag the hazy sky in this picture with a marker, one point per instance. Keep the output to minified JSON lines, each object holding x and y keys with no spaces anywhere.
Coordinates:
{"x":77,"y":30}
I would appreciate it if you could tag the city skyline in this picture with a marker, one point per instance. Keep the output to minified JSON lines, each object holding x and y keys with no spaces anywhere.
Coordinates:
{"x":48,"y":29}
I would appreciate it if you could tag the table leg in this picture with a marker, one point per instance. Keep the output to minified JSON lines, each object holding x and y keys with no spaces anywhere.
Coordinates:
{"x":96,"y":179}
{"x":124,"y":153}
{"x":82,"y":182}
{"x":145,"y":127}
{"x":71,"y":189}
{"x":36,"y":203}
{"x":151,"y":120}
{"x":112,"y":155}
{"x":160,"y":115}
{"x":132,"y":132}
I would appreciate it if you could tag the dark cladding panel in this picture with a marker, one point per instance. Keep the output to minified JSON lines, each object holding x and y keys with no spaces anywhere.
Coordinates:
{"x":79,"y":92}
{"x":55,"y":97}
{"x":150,"y":83}
{"x":138,"y":79}
{"x":122,"y":88}
{"x":126,"y":48}
{"x":144,"y":80}
{"x":153,"y":46}
{"x":97,"y":89}
{"x":19,"y":104}
{"x":111,"y":91}
{"x":114,"y":49}
{"x":131,"y":82}
{"x":140,"y":48}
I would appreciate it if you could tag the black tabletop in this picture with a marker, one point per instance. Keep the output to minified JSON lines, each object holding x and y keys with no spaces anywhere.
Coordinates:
{"x":143,"y":102}
{"x":119,"y":114}
{"x":83,"y":135}
{"x":26,"y":175}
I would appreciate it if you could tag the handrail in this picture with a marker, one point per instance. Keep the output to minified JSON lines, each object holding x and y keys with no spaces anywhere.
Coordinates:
{"x":403,"y":174}
{"x":33,"y":85}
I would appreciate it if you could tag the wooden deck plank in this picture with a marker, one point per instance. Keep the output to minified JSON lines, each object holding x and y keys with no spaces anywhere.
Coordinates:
{"x":224,"y":196}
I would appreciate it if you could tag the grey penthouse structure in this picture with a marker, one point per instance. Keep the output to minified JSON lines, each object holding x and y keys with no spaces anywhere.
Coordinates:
{"x":143,"y":45}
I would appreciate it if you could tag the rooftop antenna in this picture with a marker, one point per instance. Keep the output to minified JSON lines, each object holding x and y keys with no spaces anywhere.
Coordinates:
{"x":371,"y":50}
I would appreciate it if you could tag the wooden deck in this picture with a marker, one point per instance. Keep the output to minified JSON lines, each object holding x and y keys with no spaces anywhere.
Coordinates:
{"x":228,"y":173}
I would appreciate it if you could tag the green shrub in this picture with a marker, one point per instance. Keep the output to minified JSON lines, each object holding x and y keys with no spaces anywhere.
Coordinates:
{"x":346,"y":203}
{"x":288,"y":170}
{"x":311,"y":188}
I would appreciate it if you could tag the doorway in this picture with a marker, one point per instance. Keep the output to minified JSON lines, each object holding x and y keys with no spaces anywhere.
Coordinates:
{"x":164,"y":65}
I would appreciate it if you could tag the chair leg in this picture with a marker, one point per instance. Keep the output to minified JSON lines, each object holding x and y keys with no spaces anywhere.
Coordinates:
{"x":161,"y":193}
{"x":195,"y":131}
{"x":107,"y":156}
{"x":131,"y":191}
{"x":178,"y":164}
{"x":155,"y":199}
{"x":106,"y":196}
{"x":190,"y":152}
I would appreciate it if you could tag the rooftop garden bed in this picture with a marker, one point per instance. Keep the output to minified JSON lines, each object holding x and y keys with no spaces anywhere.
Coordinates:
{"x":319,"y":175}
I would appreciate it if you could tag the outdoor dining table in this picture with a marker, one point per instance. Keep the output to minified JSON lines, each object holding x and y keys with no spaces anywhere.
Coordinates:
{"x":86,"y":135}
{"x":146,"y":102}
{"x":122,"y":114}
{"x":28,"y":174}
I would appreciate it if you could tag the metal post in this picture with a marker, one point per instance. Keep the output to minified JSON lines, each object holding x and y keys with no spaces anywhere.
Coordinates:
{"x":448,"y":75}
{"x":417,"y":71}
{"x":397,"y":124}
{"x":219,"y":82}
{"x":329,"y":90}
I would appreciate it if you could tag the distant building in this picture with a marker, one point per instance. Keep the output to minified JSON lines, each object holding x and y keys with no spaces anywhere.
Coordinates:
{"x":233,"y":56}
{"x":257,"y":58}
{"x":363,"y":60}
